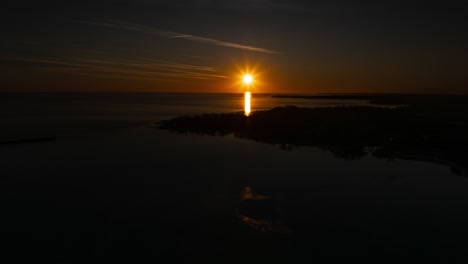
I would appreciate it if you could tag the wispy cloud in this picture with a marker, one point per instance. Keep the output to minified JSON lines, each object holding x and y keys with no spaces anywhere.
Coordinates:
{"x":134,"y":68}
{"x":177,"y":35}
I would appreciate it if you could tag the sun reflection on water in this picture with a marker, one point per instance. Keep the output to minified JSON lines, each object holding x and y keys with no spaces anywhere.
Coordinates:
{"x":256,"y":211}
{"x":247,"y":97}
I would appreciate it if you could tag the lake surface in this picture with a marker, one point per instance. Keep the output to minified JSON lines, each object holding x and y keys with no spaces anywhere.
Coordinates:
{"x":65,"y":114}
{"x":111,"y":186}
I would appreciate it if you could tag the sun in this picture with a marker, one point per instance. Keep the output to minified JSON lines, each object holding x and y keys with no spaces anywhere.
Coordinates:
{"x":247,"y":79}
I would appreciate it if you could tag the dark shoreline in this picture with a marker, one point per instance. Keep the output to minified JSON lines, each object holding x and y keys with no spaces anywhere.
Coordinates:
{"x":437,"y":134}
{"x":389,"y":99}
{"x":28,"y":140}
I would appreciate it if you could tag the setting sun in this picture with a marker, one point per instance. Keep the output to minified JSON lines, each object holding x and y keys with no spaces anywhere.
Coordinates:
{"x":247,"y":79}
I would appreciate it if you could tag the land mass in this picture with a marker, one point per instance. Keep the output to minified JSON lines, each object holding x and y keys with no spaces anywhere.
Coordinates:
{"x":422,"y":129}
{"x":419,"y":100}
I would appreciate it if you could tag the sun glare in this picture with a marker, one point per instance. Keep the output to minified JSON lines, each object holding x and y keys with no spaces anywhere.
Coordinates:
{"x":247,"y":97}
{"x":247,"y":79}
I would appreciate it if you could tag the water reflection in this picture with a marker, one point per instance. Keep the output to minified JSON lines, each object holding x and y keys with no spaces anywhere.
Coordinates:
{"x":247,"y":97}
{"x":248,"y":194}
{"x":260,"y":212}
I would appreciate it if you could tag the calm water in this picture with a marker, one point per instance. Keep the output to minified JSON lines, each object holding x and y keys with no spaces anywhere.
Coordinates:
{"x":65,"y":114}
{"x":111,"y":187}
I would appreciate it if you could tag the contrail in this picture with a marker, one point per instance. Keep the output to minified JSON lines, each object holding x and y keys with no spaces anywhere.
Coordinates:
{"x":174,"y":35}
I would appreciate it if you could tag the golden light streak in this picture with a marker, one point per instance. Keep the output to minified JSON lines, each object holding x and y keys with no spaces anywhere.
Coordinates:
{"x":247,"y":97}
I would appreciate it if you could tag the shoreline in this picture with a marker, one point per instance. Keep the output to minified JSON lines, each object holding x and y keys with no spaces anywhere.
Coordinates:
{"x":403,"y":132}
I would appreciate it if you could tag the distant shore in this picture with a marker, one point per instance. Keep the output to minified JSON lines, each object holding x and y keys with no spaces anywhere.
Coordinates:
{"x":388,"y":99}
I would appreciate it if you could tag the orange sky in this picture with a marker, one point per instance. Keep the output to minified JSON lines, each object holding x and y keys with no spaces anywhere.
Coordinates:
{"x":298,"y":47}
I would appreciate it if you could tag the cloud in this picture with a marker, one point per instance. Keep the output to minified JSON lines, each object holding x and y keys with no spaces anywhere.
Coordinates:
{"x":177,"y":35}
{"x":135,"y":68}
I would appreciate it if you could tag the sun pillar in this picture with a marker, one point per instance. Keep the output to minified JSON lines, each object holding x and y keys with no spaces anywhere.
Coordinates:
{"x":247,"y":97}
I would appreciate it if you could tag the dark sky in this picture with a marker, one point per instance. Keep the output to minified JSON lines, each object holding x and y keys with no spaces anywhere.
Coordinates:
{"x":202,"y":46}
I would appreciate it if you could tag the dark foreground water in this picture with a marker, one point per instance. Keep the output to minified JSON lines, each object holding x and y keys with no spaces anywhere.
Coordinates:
{"x":110,"y":188}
